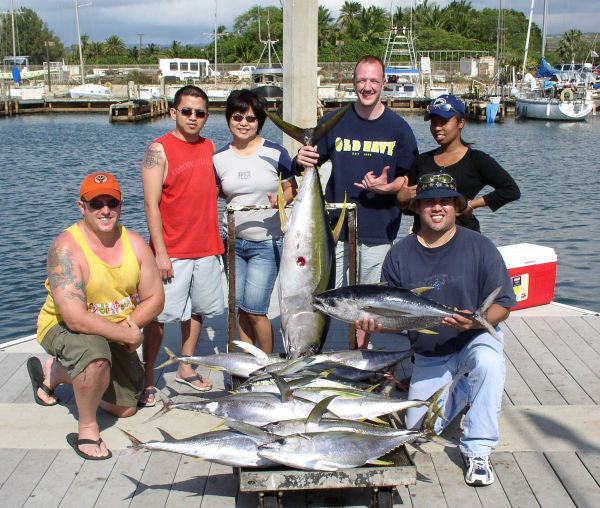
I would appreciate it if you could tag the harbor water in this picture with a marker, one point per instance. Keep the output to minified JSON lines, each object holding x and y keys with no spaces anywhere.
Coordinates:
{"x":45,"y":157}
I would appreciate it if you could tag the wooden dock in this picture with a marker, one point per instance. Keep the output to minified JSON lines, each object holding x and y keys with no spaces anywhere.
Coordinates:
{"x":548,"y":455}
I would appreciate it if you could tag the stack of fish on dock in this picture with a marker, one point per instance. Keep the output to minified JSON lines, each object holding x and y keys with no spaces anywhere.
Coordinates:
{"x":289,"y":412}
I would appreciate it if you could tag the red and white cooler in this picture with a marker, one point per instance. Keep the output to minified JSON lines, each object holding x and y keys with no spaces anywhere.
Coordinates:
{"x":532,"y":269}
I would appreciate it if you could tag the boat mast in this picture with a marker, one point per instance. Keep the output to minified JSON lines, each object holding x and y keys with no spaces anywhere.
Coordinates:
{"x":527,"y":40}
{"x":544,"y":28}
{"x":215,"y":42}
{"x":79,"y":43}
{"x":498,"y":42}
{"x":12,"y":11}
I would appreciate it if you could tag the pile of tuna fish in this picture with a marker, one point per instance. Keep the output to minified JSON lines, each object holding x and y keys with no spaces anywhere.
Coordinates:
{"x":316,"y":413}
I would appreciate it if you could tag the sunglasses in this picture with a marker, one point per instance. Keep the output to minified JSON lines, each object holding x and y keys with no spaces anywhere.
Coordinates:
{"x":442,"y":106}
{"x":238,"y":117}
{"x":442,"y":178}
{"x":98,"y":204}
{"x":187,"y":112}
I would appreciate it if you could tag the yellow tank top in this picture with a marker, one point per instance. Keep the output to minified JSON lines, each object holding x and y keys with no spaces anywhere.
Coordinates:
{"x":111,"y":291}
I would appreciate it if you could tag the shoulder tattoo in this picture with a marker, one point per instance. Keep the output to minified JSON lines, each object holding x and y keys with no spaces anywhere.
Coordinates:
{"x":61,"y":274}
{"x":151,"y":158}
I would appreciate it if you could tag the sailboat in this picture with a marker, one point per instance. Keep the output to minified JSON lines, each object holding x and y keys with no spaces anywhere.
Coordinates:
{"x":268,"y":81}
{"x":550,"y":102}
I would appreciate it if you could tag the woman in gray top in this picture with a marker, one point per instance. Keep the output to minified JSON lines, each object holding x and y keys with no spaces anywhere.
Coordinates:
{"x":248,"y":171}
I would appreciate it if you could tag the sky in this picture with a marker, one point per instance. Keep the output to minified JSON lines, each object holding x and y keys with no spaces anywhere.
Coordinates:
{"x":192,"y":21}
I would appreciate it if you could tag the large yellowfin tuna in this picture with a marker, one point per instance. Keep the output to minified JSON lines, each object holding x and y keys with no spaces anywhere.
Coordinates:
{"x":307,"y":259}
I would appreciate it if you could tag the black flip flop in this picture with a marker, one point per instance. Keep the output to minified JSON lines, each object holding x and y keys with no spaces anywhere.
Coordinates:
{"x":36,"y":374}
{"x":74,"y":441}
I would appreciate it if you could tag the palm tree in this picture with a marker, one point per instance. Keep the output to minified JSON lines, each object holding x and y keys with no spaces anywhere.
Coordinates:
{"x":349,"y":13}
{"x":175,"y":50}
{"x":151,"y":50}
{"x":570,"y":45}
{"x":114,"y":46}
{"x":373,"y":22}
{"x":325,"y":35}
{"x":94,"y":51}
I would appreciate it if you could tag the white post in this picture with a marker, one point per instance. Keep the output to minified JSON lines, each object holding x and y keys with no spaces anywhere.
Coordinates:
{"x":79,"y":43}
{"x":527,"y":40}
{"x":299,"y":66}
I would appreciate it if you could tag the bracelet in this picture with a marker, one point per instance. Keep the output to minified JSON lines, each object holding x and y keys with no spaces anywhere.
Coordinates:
{"x":469,"y":206}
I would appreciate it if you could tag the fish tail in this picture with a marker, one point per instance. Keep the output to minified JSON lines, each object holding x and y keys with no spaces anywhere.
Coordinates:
{"x":136,"y":444}
{"x":168,"y":404}
{"x":173,"y":358}
{"x":478,"y":316}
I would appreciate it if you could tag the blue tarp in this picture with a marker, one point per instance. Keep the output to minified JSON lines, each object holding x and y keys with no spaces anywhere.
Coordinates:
{"x":491,"y":110}
{"x":545,"y":70}
{"x":16,"y":73}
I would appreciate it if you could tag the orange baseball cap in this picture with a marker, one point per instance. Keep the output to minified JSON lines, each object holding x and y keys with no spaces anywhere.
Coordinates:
{"x":99,"y":183}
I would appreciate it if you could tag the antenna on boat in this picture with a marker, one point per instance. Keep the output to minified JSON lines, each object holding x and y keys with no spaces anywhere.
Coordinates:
{"x":269,"y":44}
{"x":77,"y":6}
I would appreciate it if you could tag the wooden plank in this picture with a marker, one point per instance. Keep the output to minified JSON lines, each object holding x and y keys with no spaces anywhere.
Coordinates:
{"x":546,"y":487}
{"x":56,"y":481}
{"x":587,"y":328}
{"x":513,"y":482}
{"x":591,"y":460}
{"x":585,"y":377}
{"x":156,"y":481}
{"x":11,"y":457}
{"x":189,"y":483}
{"x":594,"y":322}
{"x":25,"y":476}
{"x":449,"y":467}
{"x":11,"y":365}
{"x":536,"y":380}
{"x":122,"y":482}
{"x":576,"y":479}
{"x":552,"y":368}
{"x":427,"y":492}
{"x":578,"y":345}
{"x":515,"y":388}
{"x":17,"y":384}
{"x":88,"y":484}
{"x":221,"y":487}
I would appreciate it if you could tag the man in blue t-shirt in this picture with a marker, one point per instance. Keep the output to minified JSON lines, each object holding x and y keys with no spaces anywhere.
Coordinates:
{"x":371,"y":150}
{"x":463,"y":268}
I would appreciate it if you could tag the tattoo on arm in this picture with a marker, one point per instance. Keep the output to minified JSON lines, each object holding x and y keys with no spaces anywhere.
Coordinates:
{"x":61,"y":275}
{"x":151,"y":158}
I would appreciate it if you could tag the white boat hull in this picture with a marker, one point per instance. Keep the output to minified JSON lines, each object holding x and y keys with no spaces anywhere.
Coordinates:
{"x":553,"y":109}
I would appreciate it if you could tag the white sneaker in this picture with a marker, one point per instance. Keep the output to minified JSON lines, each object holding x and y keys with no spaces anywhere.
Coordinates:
{"x":479,"y":471}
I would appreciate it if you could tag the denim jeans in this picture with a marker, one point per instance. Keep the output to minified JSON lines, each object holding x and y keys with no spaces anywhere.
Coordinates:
{"x":256,"y":267}
{"x":483,"y":360}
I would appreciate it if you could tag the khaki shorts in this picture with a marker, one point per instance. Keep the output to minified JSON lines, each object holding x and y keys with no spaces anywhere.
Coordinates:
{"x":76,"y":351}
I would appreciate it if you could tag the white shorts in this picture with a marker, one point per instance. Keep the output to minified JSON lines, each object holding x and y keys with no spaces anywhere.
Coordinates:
{"x":195,"y":288}
{"x":370,"y":260}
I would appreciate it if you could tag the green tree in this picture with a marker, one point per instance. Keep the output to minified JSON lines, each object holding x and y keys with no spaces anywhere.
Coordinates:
{"x":176,"y":50}
{"x":114,"y":46}
{"x":570,"y":46}
{"x":94,"y":51}
{"x":31,"y":34}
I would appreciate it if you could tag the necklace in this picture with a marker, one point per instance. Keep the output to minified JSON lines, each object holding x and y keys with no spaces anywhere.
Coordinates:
{"x":438,"y":242}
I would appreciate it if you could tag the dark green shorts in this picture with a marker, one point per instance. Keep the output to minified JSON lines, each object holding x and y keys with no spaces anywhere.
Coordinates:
{"x":76,"y":351}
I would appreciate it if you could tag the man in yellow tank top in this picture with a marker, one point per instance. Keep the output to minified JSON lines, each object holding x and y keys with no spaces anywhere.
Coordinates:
{"x":103,"y":286}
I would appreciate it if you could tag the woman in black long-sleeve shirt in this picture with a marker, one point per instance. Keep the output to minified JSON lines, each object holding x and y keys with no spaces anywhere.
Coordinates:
{"x":472,"y":169}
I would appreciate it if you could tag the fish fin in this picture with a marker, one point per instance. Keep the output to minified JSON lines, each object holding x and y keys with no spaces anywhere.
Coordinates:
{"x":324,"y":127}
{"x":318,"y":411}
{"x":172,"y":359}
{"x":246,"y":428}
{"x":376,"y":419}
{"x":281,"y":206}
{"x":284,"y":388}
{"x":218,"y":426}
{"x":136,"y":444}
{"x":167,"y":406}
{"x":383,"y":311}
{"x":340,"y":222}
{"x":165,"y":435}
{"x":301,"y":135}
{"x":478,"y":316}
{"x":253,"y":350}
{"x":373,"y":388}
{"x":379,"y":462}
{"x":426,"y":331}
{"x":421,"y":290}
